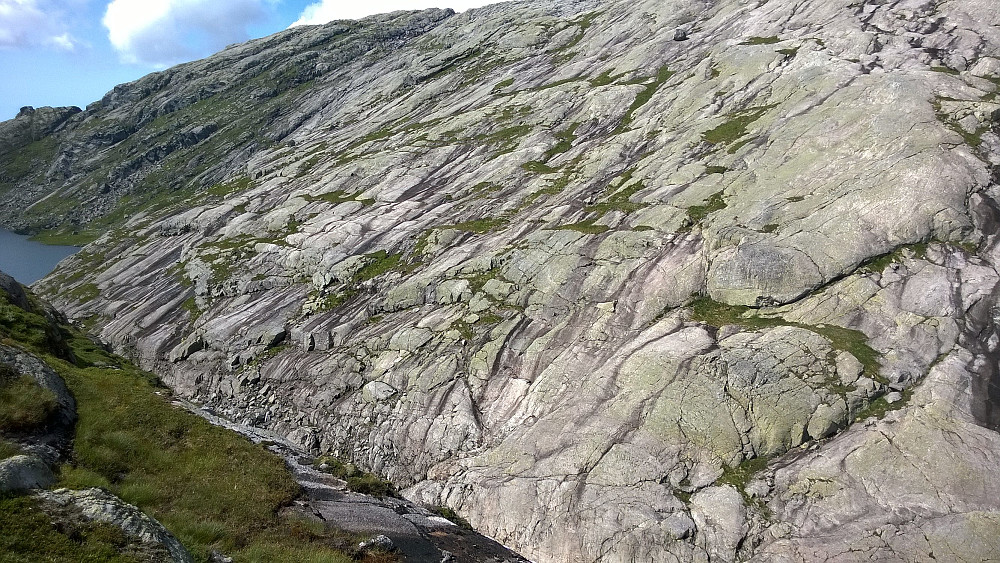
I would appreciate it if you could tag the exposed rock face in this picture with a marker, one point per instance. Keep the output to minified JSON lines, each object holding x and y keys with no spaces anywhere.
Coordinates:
{"x":24,"y":472}
{"x":468,"y":256}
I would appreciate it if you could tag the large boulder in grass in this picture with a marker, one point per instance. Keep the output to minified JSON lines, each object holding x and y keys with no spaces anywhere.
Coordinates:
{"x":98,"y":505}
{"x":24,"y":472}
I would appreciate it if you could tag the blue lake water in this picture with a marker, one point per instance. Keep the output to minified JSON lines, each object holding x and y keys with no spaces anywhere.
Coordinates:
{"x":29,"y":261}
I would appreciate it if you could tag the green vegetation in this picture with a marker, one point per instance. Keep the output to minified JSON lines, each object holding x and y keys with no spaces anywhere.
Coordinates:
{"x":337,"y":197}
{"x":769,"y":228}
{"x":584,"y":22}
{"x":879,"y":263}
{"x":24,"y":405}
{"x":716,"y":170}
{"x":357,"y":480}
{"x":881,"y":407}
{"x":586,"y":227}
{"x":697,"y":213}
{"x":379,"y":263}
{"x":211,"y":487}
{"x":761,"y":40}
{"x":8,"y":449}
{"x":621,"y":198}
{"x":714,"y":313}
{"x":29,"y":535}
{"x":735,"y":128}
{"x":662,"y":75}
{"x":538,"y":167}
{"x":741,"y":475}
{"x":945,"y":70}
{"x":455,"y":517}
{"x":565,"y":141}
{"x":788,"y":52}
{"x":502,"y":85}
{"x":483,"y":225}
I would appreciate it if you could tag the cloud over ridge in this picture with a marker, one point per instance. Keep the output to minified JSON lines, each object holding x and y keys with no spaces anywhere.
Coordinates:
{"x":164,"y":32}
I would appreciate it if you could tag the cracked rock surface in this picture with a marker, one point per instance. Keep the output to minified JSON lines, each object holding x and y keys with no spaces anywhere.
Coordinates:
{"x":617,"y":281}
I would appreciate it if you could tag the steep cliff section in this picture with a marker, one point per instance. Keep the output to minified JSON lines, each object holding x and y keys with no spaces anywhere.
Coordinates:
{"x":617,"y":281}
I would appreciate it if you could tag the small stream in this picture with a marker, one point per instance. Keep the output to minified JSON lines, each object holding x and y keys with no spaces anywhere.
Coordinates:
{"x":28,"y":261}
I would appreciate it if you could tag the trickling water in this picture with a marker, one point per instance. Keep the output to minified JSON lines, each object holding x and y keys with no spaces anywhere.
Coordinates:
{"x":29,"y":261}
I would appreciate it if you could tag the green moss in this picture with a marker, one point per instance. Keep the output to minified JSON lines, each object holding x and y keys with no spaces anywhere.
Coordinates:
{"x":379,"y":263}
{"x":507,"y":139}
{"x":605,"y":78}
{"x":357,"y":480}
{"x":642,"y":98}
{"x":620,"y":200}
{"x":761,"y":40}
{"x":879,"y":263}
{"x":337,"y":197}
{"x":716,"y":170}
{"x":697,"y":213}
{"x":945,"y":70}
{"x":769,"y":228}
{"x":795,"y":198}
{"x":584,"y":22}
{"x":538,"y":167}
{"x":741,"y":475}
{"x":732,"y":130}
{"x":880,"y":407}
{"x":714,"y":313}
{"x":788,"y":52}
{"x":503,"y":85}
{"x":565,"y":140}
{"x":587,"y":227}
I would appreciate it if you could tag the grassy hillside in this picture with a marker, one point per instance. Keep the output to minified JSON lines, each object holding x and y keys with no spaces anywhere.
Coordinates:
{"x":211,"y":487}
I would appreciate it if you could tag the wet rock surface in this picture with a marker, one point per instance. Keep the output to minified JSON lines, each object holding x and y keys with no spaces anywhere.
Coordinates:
{"x":612,"y":292}
{"x":392,"y":524}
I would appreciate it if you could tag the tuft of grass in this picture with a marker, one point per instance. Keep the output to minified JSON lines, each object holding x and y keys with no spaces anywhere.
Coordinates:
{"x":357,"y":480}
{"x":538,"y":167}
{"x":450,"y":514}
{"x":880,"y":407}
{"x":662,"y":75}
{"x":714,"y":313}
{"x":715,"y":202}
{"x":25,"y":405}
{"x":9,"y":449}
{"x":379,"y":263}
{"x":761,"y":40}
{"x":586,"y":227}
{"x":30,"y":535}
{"x":735,"y":128}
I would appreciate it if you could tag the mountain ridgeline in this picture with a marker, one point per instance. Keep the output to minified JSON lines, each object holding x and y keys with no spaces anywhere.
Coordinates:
{"x":616,"y":281}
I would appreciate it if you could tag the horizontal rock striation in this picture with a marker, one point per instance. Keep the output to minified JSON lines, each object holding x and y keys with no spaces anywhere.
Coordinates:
{"x":644,"y":281}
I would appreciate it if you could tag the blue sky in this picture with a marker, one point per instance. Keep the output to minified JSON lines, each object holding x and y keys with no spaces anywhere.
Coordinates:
{"x":71,"y":52}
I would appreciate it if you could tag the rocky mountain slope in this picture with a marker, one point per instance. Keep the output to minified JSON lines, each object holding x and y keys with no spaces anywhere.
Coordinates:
{"x":618,"y":281}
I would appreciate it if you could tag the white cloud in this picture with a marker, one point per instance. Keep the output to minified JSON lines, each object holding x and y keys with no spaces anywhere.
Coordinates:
{"x":329,"y":10}
{"x":29,"y":23}
{"x":164,"y":32}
